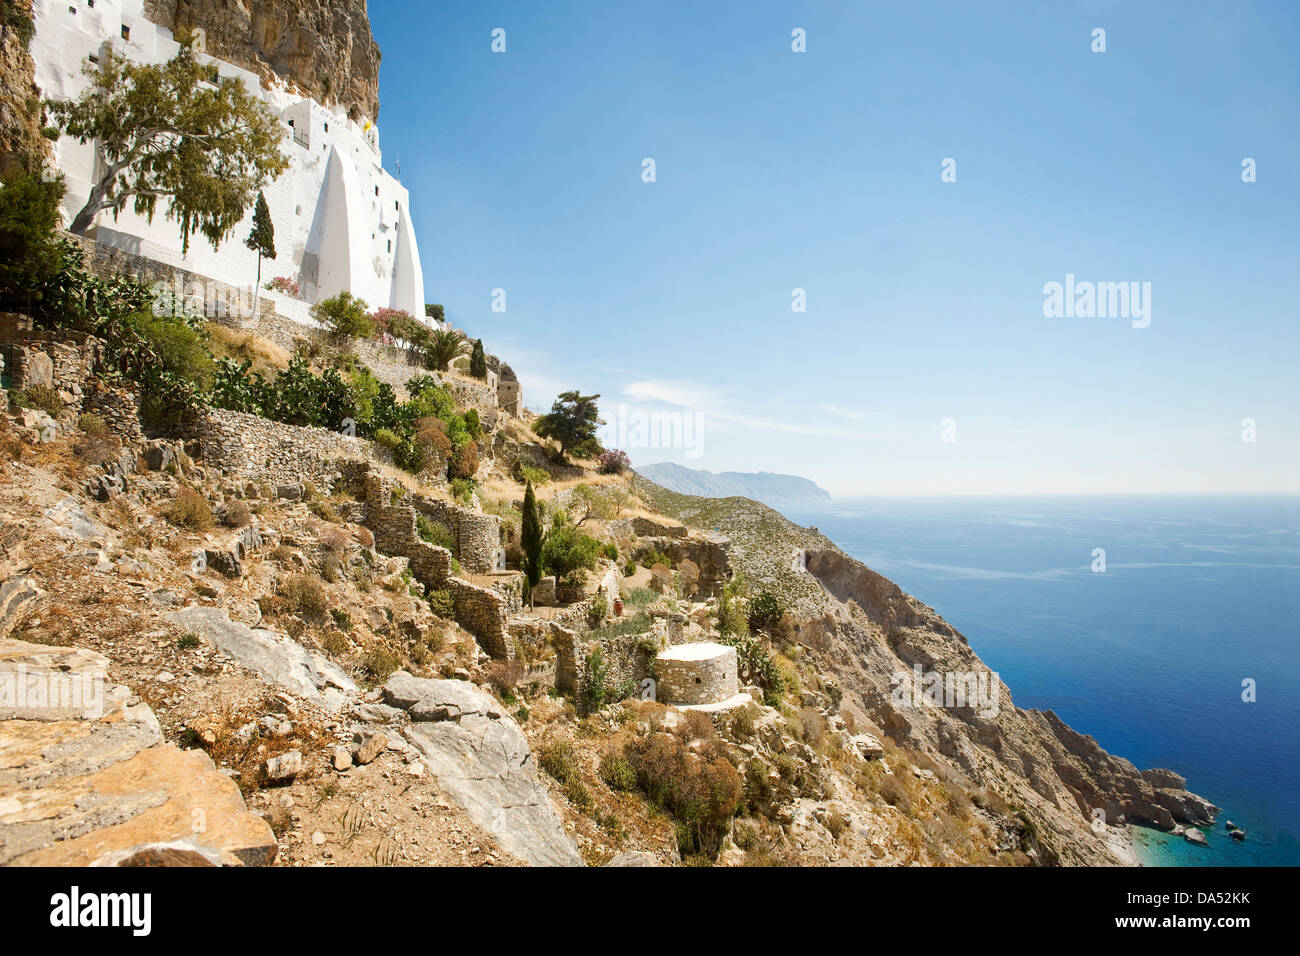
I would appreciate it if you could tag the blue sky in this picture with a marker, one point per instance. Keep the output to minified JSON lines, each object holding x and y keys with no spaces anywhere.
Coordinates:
{"x":821,"y":171}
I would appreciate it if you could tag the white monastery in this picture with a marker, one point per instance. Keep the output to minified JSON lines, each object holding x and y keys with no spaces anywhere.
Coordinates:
{"x":341,"y":221}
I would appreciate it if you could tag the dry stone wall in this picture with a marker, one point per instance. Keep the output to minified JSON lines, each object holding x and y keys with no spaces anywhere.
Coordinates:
{"x":246,"y":447}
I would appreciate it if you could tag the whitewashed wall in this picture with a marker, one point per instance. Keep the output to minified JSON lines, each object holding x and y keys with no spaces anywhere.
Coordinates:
{"x":341,"y":222}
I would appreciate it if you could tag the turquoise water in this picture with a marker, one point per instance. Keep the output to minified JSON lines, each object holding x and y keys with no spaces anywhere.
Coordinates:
{"x":1149,"y":656}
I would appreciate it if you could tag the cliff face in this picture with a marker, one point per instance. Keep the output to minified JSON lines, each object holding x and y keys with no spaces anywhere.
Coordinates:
{"x":323,"y":47}
{"x":20,"y":111}
{"x":864,"y":630}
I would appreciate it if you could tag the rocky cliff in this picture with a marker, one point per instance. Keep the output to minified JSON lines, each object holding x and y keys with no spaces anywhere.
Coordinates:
{"x":323,"y":47}
{"x":862,"y":630}
{"x":20,"y":109}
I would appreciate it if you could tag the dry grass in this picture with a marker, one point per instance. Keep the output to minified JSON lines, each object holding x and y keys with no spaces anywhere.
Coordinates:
{"x":268,"y":358}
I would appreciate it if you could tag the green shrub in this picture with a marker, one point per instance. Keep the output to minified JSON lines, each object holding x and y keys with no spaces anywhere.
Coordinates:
{"x":745,"y":836}
{"x":44,"y":398}
{"x":764,"y":611}
{"x":435,"y":533}
{"x":341,"y":618}
{"x":335,"y":643}
{"x":629,"y":569}
{"x":610,"y":550}
{"x":442,"y":603}
{"x":305,"y":595}
{"x":344,"y":316}
{"x":190,"y":510}
{"x":701,"y":794}
{"x":560,"y":760}
{"x":388,"y":438}
{"x":380,"y":663}
{"x":594,"y":680}
{"x":566,"y":552}
{"x":324,"y":510}
{"x":651,"y":558}
{"x":92,"y":425}
{"x":617,"y":772}
{"x":462,"y":490}
{"x":530,"y":473}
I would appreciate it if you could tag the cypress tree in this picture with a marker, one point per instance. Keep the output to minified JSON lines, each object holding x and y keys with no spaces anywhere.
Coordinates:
{"x":478,"y":361}
{"x":531,"y":537}
{"x":262,"y":241}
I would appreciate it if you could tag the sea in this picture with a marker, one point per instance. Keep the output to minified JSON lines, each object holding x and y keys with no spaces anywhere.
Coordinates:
{"x":1168,"y":628}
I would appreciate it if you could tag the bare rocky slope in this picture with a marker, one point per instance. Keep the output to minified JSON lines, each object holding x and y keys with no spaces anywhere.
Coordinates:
{"x":20,"y":101}
{"x":861,"y":628}
{"x":323,"y":47}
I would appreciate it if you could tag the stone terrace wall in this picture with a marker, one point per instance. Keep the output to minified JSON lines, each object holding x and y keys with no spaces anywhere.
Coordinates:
{"x":478,"y":535}
{"x":256,"y":449}
{"x":481,"y":611}
{"x":64,"y":360}
{"x":119,"y":409}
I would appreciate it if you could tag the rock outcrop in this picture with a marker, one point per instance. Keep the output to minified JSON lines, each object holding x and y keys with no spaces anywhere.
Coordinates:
{"x":867,"y":634}
{"x":322,"y":47}
{"x":20,"y":101}
{"x":275,"y":657}
{"x":480,"y":758}
{"x":87,"y":780}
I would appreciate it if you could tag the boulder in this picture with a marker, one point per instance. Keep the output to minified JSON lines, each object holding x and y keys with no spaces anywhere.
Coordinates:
{"x":284,"y":767}
{"x":1193,"y":835}
{"x":366,"y":747}
{"x":40,"y":370}
{"x":275,"y":657}
{"x":481,"y":760}
{"x":90,"y":782}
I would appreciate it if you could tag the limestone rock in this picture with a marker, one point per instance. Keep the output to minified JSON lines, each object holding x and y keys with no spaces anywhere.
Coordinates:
{"x":284,"y":767}
{"x":634,"y":858}
{"x":91,"y":782}
{"x":481,"y":760}
{"x":274,"y":656}
{"x":323,"y":47}
{"x":366,"y":747}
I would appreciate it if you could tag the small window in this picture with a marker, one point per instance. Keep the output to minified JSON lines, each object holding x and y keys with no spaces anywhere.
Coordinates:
{"x":72,"y":10}
{"x":390,"y":245}
{"x":291,"y":124}
{"x":397,"y":206}
{"x":376,"y":190}
{"x":93,"y":58}
{"x":126,"y":32}
{"x":327,"y":127}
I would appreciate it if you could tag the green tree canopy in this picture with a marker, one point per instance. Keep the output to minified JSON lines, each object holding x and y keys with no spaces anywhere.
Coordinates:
{"x":262,"y":239}
{"x":531,"y":536}
{"x":478,"y":360}
{"x":344,"y":316}
{"x":30,"y":254}
{"x":444,"y":347}
{"x":572,"y":422}
{"x":167,"y":131}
